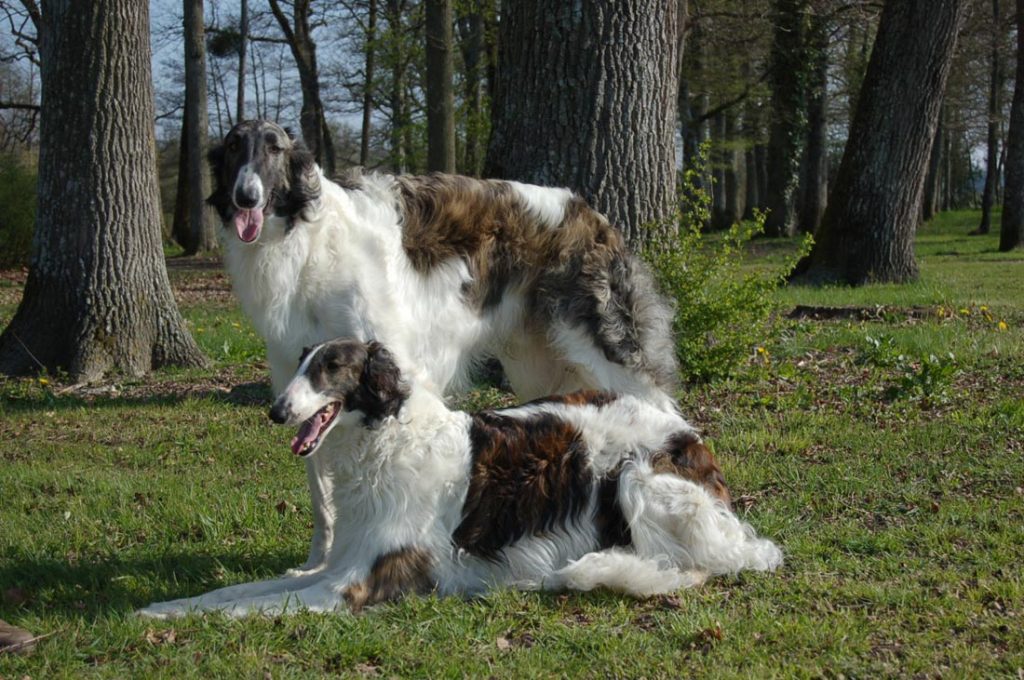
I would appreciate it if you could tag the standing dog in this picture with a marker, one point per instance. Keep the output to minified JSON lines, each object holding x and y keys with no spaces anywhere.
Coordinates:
{"x":584,"y":490}
{"x":444,"y":270}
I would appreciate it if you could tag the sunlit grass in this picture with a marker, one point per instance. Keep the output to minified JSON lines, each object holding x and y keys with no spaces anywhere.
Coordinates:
{"x":893,"y":485}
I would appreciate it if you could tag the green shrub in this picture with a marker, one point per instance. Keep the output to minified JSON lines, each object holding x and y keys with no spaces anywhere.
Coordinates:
{"x":18,"y":196}
{"x":723,"y":313}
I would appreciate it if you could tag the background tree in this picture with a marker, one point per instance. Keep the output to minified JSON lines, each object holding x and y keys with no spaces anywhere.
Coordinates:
{"x":1011,"y":234}
{"x":298,"y":31}
{"x":867,"y":232}
{"x":194,"y":227}
{"x":440,"y":96}
{"x":585,"y":97}
{"x":789,"y":83}
{"x":995,"y":111}
{"x":243,"y":43}
{"x":97,"y":297}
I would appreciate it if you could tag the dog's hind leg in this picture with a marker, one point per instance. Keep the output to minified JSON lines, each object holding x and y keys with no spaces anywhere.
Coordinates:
{"x":605,"y":315}
{"x":674,"y":517}
{"x":625,"y":572}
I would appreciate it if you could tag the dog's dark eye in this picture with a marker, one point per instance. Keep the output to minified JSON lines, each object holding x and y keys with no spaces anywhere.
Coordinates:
{"x":275,"y":149}
{"x":333,"y":366}
{"x":233,"y":145}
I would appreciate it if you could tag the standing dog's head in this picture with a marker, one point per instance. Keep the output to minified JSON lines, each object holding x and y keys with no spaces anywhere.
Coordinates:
{"x":258,"y":170}
{"x":337,"y":377}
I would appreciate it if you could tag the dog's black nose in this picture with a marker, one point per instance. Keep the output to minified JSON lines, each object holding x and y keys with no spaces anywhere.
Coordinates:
{"x":279,"y":412}
{"x":246,"y":200}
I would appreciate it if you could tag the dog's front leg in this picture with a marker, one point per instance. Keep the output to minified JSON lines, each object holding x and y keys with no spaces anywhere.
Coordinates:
{"x":215,"y":599}
{"x":321,"y":493}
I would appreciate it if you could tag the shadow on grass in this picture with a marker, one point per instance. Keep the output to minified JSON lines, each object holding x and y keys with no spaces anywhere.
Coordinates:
{"x":99,"y":588}
{"x":245,"y":394}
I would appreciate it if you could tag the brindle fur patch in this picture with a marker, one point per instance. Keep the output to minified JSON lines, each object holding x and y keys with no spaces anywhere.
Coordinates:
{"x":685,"y":455}
{"x":393,"y":574}
{"x":528,"y":476}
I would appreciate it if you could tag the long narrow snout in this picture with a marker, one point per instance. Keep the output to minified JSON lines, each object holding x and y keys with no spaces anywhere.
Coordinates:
{"x":281,"y":412}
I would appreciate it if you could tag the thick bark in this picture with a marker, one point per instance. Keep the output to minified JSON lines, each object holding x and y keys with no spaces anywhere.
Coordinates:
{"x":1011,"y":234}
{"x":371,"y":52}
{"x":97,"y":298}
{"x":868,"y":229}
{"x":586,"y":98}
{"x":814,"y":171}
{"x":299,"y":35}
{"x":789,"y":114}
{"x":995,"y":109}
{"x":439,"y":88}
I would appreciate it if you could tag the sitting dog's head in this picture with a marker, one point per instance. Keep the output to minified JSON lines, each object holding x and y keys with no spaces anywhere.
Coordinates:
{"x":338,"y":377}
{"x":258,"y":170}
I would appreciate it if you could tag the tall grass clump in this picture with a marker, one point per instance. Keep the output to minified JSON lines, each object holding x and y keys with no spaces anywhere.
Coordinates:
{"x":723,"y":312}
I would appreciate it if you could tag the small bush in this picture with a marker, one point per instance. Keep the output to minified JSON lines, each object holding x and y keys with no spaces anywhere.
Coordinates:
{"x":17,"y":221}
{"x":723,"y":314}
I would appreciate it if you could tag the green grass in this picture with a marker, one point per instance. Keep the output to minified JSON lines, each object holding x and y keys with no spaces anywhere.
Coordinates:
{"x":894,"y":484}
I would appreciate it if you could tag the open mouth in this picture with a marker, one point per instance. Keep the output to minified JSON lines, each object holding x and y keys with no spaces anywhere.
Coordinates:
{"x":249,"y":221}
{"x":313,"y":430}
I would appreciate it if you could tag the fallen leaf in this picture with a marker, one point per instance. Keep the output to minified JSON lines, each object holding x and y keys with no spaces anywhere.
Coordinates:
{"x":503,"y":644}
{"x":366,"y":668}
{"x":160,"y":637}
{"x":285,"y":507}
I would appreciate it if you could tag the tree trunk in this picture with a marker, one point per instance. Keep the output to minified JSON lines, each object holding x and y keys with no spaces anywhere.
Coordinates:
{"x":734,"y":195}
{"x":440,"y":96}
{"x":1011,"y":234}
{"x":200,"y":223}
{"x":868,"y":229}
{"x":97,"y":298}
{"x":788,"y":121}
{"x":394,"y":10}
{"x":471,"y":43}
{"x":933,"y":181}
{"x":814,"y":175}
{"x":371,"y":50}
{"x":995,"y":109}
{"x":586,"y":98}
{"x":243,"y":41}
{"x":719,"y":160}
{"x":298,"y":34}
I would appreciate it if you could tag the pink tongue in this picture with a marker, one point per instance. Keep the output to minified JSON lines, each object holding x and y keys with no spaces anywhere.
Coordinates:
{"x":308,"y":432}
{"x":248,"y":224}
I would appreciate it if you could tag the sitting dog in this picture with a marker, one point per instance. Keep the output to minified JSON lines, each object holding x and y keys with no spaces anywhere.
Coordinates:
{"x":579,"y":491}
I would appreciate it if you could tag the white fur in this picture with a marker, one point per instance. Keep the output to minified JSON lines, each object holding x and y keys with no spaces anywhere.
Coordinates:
{"x":546,"y":203}
{"x":404,"y":483}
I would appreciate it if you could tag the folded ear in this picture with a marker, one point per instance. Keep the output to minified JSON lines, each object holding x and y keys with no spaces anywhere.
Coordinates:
{"x":220,"y":199}
{"x":381,"y":391}
{"x":303,"y":182}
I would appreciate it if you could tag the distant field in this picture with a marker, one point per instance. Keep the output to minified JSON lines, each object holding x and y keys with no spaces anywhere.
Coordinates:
{"x":885,"y":455}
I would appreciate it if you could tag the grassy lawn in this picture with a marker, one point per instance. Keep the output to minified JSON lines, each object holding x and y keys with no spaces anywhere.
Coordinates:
{"x":885,"y":456}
